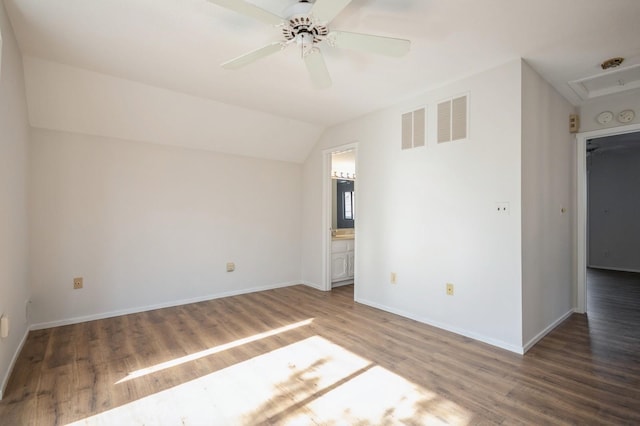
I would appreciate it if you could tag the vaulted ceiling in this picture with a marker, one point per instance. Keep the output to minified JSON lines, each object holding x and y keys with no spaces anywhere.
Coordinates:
{"x":180,"y":44}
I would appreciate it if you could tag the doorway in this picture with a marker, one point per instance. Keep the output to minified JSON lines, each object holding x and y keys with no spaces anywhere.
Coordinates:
{"x":582,"y":140}
{"x":613,"y":231}
{"x":339,"y":213}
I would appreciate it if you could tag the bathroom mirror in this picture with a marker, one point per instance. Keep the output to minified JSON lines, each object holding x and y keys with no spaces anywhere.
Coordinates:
{"x":345,"y":204}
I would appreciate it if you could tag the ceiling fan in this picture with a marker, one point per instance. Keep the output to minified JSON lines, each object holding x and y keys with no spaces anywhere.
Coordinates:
{"x":306,"y":24}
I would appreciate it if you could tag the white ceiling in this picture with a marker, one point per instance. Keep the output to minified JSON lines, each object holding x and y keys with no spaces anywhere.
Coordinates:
{"x":179,"y":44}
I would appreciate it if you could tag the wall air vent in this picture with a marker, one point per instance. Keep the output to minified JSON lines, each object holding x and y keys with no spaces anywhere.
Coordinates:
{"x":414,"y":128}
{"x":606,"y":83}
{"x":453,"y":123}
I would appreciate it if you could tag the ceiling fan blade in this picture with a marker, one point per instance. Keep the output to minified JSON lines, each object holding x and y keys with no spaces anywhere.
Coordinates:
{"x":317,"y":69}
{"x":370,"y":43}
{"x":250,"y":10}
{"x":326,"y":10}
{"x":253,"y":56}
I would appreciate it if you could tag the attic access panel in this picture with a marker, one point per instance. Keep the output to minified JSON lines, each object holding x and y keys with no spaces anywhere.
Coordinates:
{"x":618,"y":80}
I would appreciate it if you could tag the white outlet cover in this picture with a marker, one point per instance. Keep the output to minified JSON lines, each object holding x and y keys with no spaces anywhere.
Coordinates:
{"x":502,"y":207}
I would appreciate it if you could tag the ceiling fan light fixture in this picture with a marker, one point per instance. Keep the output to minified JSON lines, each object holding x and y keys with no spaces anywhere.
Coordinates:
{"x":305,"y":41}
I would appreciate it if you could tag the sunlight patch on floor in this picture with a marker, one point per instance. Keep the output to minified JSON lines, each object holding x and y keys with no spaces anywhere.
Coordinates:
{"x":211,"y":351}
{"x":378,"y":396}
{"x":310,"y":381}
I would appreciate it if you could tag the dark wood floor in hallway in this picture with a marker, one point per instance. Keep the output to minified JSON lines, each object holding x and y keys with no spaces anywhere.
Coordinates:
{"x":299,"y":356}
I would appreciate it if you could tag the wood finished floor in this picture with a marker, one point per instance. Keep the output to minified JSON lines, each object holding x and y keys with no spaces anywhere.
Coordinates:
{"x":350,"y":365}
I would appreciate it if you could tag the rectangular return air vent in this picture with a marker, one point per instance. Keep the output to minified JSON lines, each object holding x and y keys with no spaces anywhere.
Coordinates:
{"x":453,"y":119}
{"x":413,"y":129}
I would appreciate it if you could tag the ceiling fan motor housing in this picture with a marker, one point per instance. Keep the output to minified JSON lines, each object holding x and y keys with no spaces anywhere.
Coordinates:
{"x":298,"y":25}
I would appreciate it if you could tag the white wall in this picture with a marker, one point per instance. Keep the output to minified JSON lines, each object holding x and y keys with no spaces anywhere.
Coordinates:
{"x":153,"y":225}
{"x":614,"y":208}
{"x":614,"y":103}
{"x":66,"y":98}
{"x":428,"y":214}
{"x":14,"y":136}
{"x":548,"y":185}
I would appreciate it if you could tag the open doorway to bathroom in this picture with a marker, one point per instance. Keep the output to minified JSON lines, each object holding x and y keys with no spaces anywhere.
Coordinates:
{"x":341,"y":214}
{"x":343,"y":217}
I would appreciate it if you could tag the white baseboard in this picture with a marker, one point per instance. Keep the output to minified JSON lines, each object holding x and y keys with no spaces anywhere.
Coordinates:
{"x":609,"y":268}
{"x":547,"y":330}
{"x":5,"y":380}
{"x":313,"y":285}
{"x":493,"y":342}
{"x":76,"y":320}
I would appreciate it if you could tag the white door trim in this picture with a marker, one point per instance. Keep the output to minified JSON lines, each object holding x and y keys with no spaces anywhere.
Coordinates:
{"x":326,"y":209}
{"x":581,"y":206}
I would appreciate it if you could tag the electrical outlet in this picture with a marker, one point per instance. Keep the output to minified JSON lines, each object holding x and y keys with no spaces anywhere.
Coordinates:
{"x":393,"y":278}
{"x":231,"y":267}
{"x":449,"y":289}
{"x":502,"y":208}
{"x":77,"y":283}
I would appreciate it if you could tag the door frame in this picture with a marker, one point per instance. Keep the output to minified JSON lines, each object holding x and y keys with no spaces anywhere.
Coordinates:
{"x":581,"y":206}
{"x":326,"y":209}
